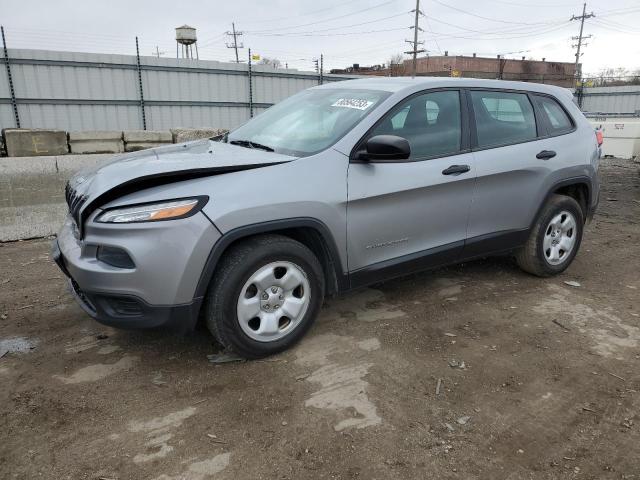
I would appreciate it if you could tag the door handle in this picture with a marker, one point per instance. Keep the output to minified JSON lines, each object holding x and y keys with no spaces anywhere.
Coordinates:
{"x":546,"y":154}
{"x":456,"y":169}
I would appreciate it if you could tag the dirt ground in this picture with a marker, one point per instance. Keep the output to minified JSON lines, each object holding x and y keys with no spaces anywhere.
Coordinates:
{"x":520,"y":396}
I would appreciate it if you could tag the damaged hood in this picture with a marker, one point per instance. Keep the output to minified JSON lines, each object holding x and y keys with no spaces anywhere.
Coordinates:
{"x":91,"y":187}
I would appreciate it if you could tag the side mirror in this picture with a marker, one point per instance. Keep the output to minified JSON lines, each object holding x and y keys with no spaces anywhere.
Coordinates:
{"x":386,"y":147}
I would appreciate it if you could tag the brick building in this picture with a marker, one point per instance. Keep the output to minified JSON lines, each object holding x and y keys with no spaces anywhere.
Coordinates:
{"x":540,"y":71}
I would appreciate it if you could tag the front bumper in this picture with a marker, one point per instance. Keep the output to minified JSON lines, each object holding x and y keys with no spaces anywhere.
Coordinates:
{"x":158,"y":291}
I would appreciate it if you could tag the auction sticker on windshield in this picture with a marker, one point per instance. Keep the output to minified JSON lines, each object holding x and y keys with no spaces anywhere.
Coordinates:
{"x":357,"y":103}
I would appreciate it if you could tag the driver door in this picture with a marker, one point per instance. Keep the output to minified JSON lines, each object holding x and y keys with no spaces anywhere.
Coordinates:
{"x":407,"y":215}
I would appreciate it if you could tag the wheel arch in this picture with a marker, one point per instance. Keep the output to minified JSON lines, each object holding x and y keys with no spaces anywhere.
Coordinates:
{"x":580,"y":191}
{"x":578,"y":188}
{"x":311,"y":232}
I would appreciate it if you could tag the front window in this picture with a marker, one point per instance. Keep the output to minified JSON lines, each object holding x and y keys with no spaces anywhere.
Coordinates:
{"x":308,"y":122}
{"x":430,"y":122}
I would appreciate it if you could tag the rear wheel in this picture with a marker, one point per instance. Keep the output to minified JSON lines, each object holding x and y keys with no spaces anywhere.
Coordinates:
{"x":555,"y":238}
{"x":265,"y":295}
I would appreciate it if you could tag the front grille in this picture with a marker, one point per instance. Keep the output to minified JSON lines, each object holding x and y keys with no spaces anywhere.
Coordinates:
{"x":74,"y":202}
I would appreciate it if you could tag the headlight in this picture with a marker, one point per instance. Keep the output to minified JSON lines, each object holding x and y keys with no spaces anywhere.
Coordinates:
{"x":151,"y":212}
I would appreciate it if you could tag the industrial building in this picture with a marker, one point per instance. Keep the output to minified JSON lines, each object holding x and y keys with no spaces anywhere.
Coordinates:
{"x":541,"y":71}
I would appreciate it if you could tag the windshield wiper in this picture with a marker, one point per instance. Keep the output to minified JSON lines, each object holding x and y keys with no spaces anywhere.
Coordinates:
{"x":250,"y":144}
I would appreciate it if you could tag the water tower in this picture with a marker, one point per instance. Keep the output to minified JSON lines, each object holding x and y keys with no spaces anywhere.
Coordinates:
{"x":185,"y":40}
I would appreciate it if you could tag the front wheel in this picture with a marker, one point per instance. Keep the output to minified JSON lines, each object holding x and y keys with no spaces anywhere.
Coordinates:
{"x":265,"y":295}
{"x":555,"y":238}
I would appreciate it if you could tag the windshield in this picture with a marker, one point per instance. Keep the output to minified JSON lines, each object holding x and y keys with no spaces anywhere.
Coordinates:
{"x":308,"y":122}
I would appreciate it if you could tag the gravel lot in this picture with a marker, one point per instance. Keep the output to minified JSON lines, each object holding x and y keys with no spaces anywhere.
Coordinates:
{"x":537,"y":379}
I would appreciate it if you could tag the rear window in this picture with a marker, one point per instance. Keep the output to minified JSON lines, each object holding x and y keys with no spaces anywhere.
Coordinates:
{"x":558,"y":120}
{"x":503,"y":118}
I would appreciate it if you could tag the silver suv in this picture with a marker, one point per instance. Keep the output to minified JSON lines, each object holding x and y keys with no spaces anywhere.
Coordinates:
{"x":337,"y":187}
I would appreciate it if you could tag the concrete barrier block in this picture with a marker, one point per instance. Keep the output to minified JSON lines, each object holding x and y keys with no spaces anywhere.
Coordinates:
{"x":147,"y":136}
{"x":32,"y":200}
{"x":96,"y":142}
{"x":135,"y":146}
{"x":70,"y":164}
{"x":135,"y":140}
{"x":24,"y":142}
{"x":188,"y":134}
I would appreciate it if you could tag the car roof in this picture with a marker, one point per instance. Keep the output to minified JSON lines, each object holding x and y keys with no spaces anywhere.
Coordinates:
{"x":397,"y":84}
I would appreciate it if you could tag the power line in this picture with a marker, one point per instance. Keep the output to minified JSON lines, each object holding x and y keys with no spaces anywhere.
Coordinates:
{"x":492,"y":31}
{"x":325,"y":34}
{"x":618,"y":11}
{"x":487,"y":18}
{"x":376,"y":47}
{"x":333,"y":7}
{"x":282,"y":34}
{"x":426,"y":19}
{"x":415,"y":42}
{"x":616,"y":24}
{"x":616,"y":27}
{"x":536,"y":4}
{"x":212,"y":40}
{"x":494,"y":38}
{"x":235,"y":36}
{"x":494,"y":54}
{"x":359,"y":12}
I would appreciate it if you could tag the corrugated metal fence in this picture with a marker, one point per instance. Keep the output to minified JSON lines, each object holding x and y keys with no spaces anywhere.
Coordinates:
{"x":612,"y":99}
{"x":90,"y":91}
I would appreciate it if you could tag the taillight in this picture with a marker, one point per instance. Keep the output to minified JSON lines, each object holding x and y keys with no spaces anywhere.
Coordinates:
{"x":599,"y":137}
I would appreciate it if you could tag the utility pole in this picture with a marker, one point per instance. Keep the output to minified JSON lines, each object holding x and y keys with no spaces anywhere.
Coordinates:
{"x":250,"y":73}
{"x":415,"y":51}
{"x":502,"y":62}
{"x":158,"y":53}
{"x":235,"y":45}
{"x":580,"y":38}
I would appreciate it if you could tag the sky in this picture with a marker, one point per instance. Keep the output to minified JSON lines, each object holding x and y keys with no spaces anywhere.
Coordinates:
{"x":367,"y":32}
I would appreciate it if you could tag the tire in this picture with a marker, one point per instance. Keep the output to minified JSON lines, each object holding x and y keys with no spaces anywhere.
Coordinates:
{"x":540,"y":255}
{"x":278,"y":278}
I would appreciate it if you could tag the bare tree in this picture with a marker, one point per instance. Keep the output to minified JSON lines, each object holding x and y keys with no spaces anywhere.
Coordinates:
{"x":274,"y":62}
{"x":613,"y":76}
{"x":396,"y":59}
{"x":396,"y":65}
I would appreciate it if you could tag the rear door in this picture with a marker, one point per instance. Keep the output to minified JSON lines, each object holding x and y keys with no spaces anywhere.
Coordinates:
{"x":563,"y":150}
{"x":402,"y":214}
{"x":507,"y":139}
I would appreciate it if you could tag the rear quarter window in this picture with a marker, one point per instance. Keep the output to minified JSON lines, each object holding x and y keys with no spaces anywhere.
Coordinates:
{"x":558,"y":121}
